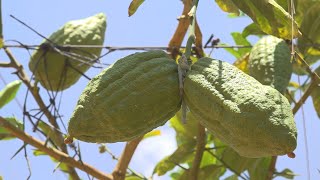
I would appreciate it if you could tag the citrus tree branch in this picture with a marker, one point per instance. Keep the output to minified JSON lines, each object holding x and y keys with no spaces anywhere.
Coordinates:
{"x":192,"y":28}
{"x":120,"y":170}
{"x":177,"y":38}
{"x":23,"y":76}
{"x":56,"y":154}
{"x":201,"y":143}
{"x":4,"y":64}
{"x":198,"y":43}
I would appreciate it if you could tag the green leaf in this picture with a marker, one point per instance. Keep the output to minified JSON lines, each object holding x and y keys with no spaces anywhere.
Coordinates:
{"x":259,"y":168}
{"x":315,"y":94}
{"x":207,"y":159}
{"x":134,"y":5}
{"x":310,"y":28}
{"x":152,"y":134}
{"x":9,"y":92}
{"x":5,"y":134}
{"x":38,"y":152}
{"x":232,"y":51}
{"x":232,"y":177}
{"x":236,"y":162}
{"x":132,"y":178}
{"x":228,"y":6}
{"x":252,"y":29}
{"x":62,"y":166}
{"x":270,"y":17}
{"x":242,"y":63}
{"x":302,"y":7}
{"x":211,"y":172}
{"x":286,"y":173}
{"x":50,"y":132}
{"x":184,"y":132}
{"x":240,"y":40}
{"x":179,"y":156}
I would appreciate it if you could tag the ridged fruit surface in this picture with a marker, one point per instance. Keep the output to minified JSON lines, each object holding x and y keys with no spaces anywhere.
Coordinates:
{"x":269,"y":62}
{"x":254,"y":119}
{"x":130,"y":98}
{"x":58,"y":70}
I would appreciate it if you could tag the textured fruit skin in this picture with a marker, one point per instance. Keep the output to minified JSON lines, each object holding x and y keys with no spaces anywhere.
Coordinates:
{"x":269,"y":62}
{"x":254,"y":119}
{"x":52,"y":69}
{"x":135,"y":95}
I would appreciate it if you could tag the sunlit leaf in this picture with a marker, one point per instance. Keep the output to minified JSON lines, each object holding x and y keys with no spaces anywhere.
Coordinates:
{"x":50,"y":132}
{"x":259,"y":168}
{"x":240,"y":40}
{"x":38,"y":152}
{"x":242,"y":63}
{"x":134,"y":5}
{"x":270,"y":17}
{"x":179,"y":156}
{"x":252,"y":29}
{"x":132,"y":178}
{"x":4,"y":133}
{"x":310,"y":27}
{"x":228,"y":6}
{"x":286,"y":173}
{"x":152,"y":134}
{"x":9,"y":92}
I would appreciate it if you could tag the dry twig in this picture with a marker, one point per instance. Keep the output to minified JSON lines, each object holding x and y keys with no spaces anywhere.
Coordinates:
{"x":56,"y":154}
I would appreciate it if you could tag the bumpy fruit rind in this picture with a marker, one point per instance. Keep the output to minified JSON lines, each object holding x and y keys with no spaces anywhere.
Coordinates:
{"x":269,"y":62}
{"x":254,"y":119}
{"x":57,"y":71}
{"x":130,"y":98}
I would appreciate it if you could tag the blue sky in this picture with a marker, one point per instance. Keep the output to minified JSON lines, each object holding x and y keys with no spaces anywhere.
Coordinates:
{"x":152,"y":25}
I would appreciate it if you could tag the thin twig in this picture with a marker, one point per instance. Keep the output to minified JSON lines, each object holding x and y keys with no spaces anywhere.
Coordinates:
{"x":56,"y":154}
{"x":120,"y":170}
{"x":21,"y":73}
{"x":4,"y":64}
{"x":272,"y":167}
{"x":306,"y":94}
{"x":226,"y":165}
{"x":126,"y":48}
{"x":201,"y":143}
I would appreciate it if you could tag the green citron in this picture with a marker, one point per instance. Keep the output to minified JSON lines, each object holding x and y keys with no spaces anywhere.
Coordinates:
{"x":59,"y":68}
{"x":254,"y":119}
{"x":130,"y":98}
{"x":269,"y":62}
